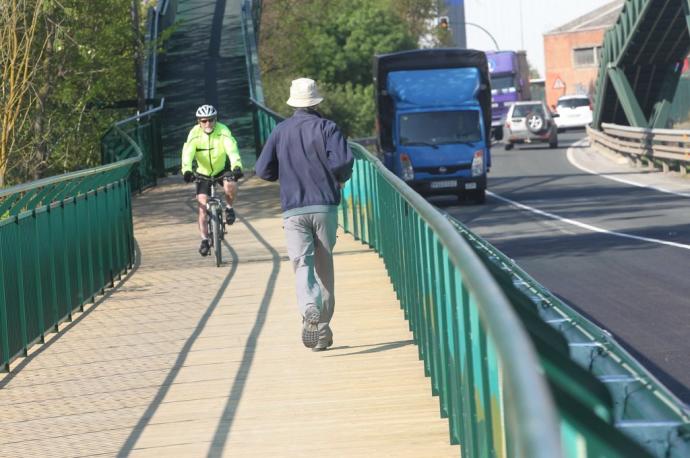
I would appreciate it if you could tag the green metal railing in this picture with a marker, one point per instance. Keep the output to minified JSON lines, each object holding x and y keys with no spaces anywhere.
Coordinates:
{"x":62,"y":240}
{"x":140,"y":134}
{"x":481,"y":363}
{"x":633,"y":400}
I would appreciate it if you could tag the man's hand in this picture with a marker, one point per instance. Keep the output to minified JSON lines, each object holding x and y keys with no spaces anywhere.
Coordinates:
{"x":237,"y":173}
{"x":188,"y":176}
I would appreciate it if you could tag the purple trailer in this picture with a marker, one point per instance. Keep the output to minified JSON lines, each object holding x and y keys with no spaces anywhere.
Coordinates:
{"x":509,"y":84}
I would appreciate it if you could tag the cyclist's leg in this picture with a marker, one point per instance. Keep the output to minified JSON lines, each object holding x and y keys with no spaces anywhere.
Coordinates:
{"x":203,"y":228}
{"x":230,"y":188}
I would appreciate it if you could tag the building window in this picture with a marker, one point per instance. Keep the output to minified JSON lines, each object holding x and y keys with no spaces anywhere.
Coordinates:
{"x":585,"y":57}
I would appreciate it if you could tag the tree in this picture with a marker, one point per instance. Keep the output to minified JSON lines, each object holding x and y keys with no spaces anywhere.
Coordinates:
{"x":19,"y":26}
{"x":87,"y":65}
{"x":332,"y":41}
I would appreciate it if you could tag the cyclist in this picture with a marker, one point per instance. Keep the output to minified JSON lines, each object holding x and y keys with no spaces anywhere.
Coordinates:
{"x":214,"y":148}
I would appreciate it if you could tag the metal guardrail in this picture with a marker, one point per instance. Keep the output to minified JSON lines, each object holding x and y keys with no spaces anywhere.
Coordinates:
{"x":481,"y":362}
{"x":670,"y":148}
{"x":635,"y":402}
{"x":145,"y":128}
{"x":62,"y":240}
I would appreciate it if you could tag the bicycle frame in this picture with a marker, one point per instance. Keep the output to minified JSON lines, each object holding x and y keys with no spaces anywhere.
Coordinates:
{"x":214,"y":218}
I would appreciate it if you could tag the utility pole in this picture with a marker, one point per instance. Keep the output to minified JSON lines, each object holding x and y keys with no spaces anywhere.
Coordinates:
{"x":456,"y":16}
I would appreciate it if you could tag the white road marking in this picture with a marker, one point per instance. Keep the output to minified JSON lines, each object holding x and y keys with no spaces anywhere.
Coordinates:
{"x":585,"y":226}
{"x":573,"y":161}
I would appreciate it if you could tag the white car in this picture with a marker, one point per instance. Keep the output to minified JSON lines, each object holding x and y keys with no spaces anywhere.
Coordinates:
{"x":530,"y":122}
{"x":573,"y":111}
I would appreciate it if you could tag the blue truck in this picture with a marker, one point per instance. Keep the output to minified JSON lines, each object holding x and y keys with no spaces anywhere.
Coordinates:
{"x":433,"y":119}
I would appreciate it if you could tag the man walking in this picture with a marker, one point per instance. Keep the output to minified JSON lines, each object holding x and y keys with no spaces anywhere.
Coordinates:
{"x":310,"y":157}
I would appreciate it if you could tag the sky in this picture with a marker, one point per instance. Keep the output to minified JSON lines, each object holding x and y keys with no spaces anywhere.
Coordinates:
{"x":501,"y":18}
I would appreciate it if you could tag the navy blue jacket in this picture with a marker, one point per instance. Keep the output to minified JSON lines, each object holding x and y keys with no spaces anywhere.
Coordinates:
{"x":310,"y":157}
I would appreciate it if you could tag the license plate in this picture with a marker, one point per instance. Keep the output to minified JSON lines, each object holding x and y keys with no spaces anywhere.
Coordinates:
{"x":470,"y":185}
{"x":443,"y":184}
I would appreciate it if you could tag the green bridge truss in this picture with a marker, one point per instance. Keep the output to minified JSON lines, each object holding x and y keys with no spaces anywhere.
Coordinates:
{"x":641,"y":63}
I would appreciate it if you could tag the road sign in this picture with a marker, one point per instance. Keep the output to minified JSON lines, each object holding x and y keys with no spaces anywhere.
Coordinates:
{"x":558,"y":83}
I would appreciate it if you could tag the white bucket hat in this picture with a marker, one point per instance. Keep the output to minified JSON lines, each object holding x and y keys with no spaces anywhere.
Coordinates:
{"x":304,"y":93}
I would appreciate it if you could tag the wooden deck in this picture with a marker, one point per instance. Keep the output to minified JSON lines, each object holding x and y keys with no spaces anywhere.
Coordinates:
{"x":186,"y":359}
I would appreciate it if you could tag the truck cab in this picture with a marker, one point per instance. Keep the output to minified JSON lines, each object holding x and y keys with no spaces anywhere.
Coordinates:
{"x":509,"y":72}
{"x":433,"y":120}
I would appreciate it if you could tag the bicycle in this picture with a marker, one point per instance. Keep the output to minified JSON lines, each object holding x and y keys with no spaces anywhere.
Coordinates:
{"x":214,"y":220}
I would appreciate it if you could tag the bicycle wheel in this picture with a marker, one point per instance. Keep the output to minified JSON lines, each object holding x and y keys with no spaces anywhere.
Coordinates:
{"x":215,"y":227}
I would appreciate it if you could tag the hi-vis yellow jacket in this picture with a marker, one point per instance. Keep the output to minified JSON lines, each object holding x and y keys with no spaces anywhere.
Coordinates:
{"x":211,"y":151}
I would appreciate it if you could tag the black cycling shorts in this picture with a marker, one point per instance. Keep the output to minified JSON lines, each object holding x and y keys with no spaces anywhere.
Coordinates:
{"x":203,"y":186}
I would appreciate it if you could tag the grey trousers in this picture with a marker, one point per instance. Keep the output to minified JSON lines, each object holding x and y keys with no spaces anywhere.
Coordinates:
{"x":310,"y":241}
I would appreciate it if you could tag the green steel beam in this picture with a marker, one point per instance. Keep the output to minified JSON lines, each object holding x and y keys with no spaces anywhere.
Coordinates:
{"x":625,"y":93}
{"x":662,"y":108}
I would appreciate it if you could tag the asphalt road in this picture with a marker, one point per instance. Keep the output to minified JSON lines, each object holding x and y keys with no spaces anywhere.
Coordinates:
{"x":638,"y":290}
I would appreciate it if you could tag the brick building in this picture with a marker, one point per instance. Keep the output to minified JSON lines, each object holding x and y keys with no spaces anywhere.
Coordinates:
{"x":571,"y":52}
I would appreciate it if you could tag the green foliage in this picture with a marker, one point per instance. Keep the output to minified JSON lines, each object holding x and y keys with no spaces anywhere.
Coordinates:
{"x":86,"y":63}
{"x":333,"y":42}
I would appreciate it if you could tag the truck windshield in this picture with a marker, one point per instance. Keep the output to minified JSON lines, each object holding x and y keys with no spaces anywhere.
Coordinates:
{"x":439,"y":127}
{"x":502,"y":82}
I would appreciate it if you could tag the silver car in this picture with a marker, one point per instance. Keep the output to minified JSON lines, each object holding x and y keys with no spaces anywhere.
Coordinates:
{"x":530,"y":122}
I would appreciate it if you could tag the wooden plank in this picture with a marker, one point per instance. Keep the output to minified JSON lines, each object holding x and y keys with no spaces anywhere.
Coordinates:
{"x":186,"y":359}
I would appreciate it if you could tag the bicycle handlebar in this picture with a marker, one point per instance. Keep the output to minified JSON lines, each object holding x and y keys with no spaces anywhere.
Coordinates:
{"x":218,"y":180}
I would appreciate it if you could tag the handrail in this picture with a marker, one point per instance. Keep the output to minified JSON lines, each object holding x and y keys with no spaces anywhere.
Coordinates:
{"x":138,"y":116}
{"x":670,"y":147}
{"x":43,"y":182}
{"x":639,"y":397}
{"x":532,"y":410}
{"x":63,"y":239}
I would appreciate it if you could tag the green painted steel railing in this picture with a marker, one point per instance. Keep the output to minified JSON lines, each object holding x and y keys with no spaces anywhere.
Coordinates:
{"x":630,"y":398}
{"x":62,"y":240}
{"x":140,"y":134}
{"x":481,"y":363}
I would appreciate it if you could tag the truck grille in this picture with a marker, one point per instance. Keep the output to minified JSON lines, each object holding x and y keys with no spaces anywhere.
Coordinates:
{"x":443,"y":170}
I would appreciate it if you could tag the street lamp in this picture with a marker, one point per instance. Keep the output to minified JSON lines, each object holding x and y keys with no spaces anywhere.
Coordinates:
{"x":485,"y":31}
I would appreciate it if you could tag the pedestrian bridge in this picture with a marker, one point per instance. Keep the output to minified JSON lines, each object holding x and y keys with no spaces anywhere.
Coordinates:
{"x":119,"y":339}
{"x":182,"y":358}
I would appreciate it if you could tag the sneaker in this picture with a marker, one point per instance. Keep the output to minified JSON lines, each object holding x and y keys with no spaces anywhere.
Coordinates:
{"x":204,"y":248}
{"x":323,"y":345}
{"x":229,"y":215}
{"x":310,"y":327}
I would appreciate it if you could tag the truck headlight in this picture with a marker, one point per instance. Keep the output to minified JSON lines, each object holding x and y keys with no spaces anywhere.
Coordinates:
{"x":478,"y":163}
{"x":406,"y":167}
